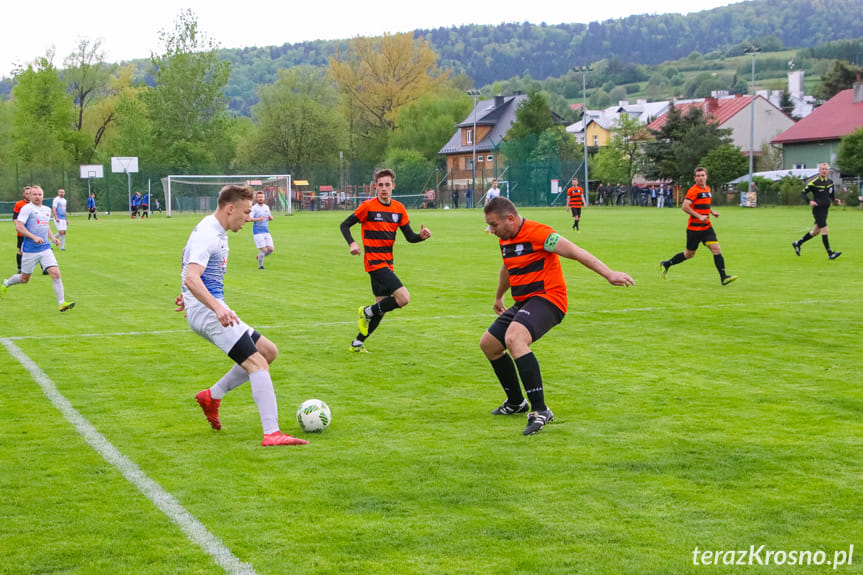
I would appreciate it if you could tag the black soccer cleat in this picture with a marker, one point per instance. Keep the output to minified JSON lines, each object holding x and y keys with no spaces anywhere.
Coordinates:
{"x":796,"y":246}
{"x":536,"y":420}
{"x":834,"y":255}
{"x":506,"y":408}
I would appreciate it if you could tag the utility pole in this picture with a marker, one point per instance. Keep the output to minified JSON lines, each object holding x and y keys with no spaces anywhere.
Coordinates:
{"x":584,"y":70}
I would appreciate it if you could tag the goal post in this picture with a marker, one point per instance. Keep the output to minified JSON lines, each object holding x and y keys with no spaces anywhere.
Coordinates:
{"x":199,"y":193}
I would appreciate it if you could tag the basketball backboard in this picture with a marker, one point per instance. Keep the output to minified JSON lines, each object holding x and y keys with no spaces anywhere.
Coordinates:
{"x":90,"y":171}
{"x":121,"y":165}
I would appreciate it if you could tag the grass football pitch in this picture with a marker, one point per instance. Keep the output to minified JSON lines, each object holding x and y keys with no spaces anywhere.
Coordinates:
{"x":688,"y":415}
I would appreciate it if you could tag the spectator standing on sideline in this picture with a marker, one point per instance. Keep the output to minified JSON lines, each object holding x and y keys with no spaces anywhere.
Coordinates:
{"x":454,"y":196}
{"x":699,"y":229}
{"x":823,"y":195}
{"x":205,"y":260}
{"x":33,"y":223}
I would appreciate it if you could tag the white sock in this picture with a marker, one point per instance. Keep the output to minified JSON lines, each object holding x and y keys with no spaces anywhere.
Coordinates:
{"x":260,"y":258}
{"x":63,"y":241}
{"x":265,"y":398}
{"x":58,"y":290}
{"x":16,"y":279}
{"x":235,"y":377}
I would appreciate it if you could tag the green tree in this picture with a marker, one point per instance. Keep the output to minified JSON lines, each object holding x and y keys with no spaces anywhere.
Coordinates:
{"x":187,"y":107}
{"x":680,"y":144}
{"x":426,"y":124}
{"x":725,"y":163}
{"x":297,"y":123}
{"x":850,"y":158}
{"x":43,"y":117}
{"x":841,"y":77}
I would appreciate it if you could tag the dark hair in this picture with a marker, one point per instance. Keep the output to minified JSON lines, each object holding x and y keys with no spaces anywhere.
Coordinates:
{"x":500,"y":206}
{"x":231,"y":194}
{"x":384,"y":172}
{"x":700,"y":169}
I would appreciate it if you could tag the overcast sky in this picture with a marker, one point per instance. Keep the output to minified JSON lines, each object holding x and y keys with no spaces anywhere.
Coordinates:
{"x":130,"y":30}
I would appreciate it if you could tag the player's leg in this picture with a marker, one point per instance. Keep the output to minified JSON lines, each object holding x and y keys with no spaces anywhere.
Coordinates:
{"x":390,"y":294}
{"x":824,"y":230}
{"x":492,"y":345}
{"x":719,"y":262}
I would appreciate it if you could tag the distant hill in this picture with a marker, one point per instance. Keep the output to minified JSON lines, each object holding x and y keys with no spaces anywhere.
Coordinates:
{"x":491,"y":53}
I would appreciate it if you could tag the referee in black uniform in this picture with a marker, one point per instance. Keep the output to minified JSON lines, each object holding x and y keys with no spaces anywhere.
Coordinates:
{"x":823,"y":195}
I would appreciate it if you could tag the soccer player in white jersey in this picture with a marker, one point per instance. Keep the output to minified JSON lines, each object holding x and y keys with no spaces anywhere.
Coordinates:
{"x":33,"y":223}
{"x":205,"y":259}
{"x":261,"y":217}
{"x":58,"y":209}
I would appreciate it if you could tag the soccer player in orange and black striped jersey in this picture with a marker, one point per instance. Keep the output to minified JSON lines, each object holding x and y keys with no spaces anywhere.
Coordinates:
{"x":575,"y":197}
{"x":699,"y":229}
{"x":532,"y":274}
{"x":380,"y":217}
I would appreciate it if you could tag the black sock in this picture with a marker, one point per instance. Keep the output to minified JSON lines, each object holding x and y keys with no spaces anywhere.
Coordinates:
{"x":719,"y":262}
{"x":806,"y":237}
{"x":373,"y":325}
{"x":531,"y":378}
{"x":18,"y":259}
{"x":676,"y":259}
{"x":504,"y":369}
{"x":576,"y":224}
{"x":383,"y":306}
{"x":826,"y":243}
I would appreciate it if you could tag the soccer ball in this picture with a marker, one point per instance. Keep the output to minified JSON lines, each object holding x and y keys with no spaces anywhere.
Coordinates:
{"x":314,"y":415}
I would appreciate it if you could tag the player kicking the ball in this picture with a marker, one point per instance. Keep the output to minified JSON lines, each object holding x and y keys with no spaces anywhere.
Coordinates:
{"x":205,"y":259}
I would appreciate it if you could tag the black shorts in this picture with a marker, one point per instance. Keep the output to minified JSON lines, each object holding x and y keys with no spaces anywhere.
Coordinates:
{"x":575,"y":211}
{"x":537,"y":314}
{"x":695,"y":237}
{"x":385,"y":282}
{"x":820,"y":215}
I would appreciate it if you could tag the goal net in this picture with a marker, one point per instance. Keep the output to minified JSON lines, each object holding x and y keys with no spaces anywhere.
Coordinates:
{"x":197,"y":193}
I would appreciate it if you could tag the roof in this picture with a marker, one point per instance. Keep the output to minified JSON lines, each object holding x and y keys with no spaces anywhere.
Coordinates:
{"x":719,"y":110}
{"x":607,"y":118}
{"x":776,"y":175}
{"x":837,"y":117}
{"x":499,"y":113}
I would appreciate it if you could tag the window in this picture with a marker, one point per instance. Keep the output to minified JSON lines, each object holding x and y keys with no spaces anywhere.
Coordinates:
{"x":468,"y":163}
{"x":468,"y":136}
{"x":479,"y":159}
{"x":489,"y":158}
{"x":799,"y":166}
{"x":596,"y":140}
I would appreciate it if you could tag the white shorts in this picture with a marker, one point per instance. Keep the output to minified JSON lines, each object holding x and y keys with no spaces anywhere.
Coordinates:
{"x":61,"y":225}
{"x":263,"y":240}
{"x":204,"y":322}
{"x":30,"y":259}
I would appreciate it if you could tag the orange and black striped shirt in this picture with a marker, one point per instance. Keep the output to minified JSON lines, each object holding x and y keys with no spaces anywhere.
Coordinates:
{"x":700,"y":198}
{"x":380,"y":222}
{"x":533,"y":271}
{"x":576,"y":197}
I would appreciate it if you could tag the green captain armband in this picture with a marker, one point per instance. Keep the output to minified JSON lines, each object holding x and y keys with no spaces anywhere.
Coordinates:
{"x":551,"y":241}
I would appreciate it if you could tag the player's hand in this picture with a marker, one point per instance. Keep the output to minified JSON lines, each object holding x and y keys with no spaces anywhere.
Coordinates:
{"x":702,"y":218}
{"x":499,"y":306}
{"x":227,"y":317}
{"x":425,"y":233}
{"x":620,"y":279}
{"x":813,"y":203}
{"x":355,"y":249}
{"x":180,"y":303}
{"x":38,"y":241}
{"x":714,"y":214}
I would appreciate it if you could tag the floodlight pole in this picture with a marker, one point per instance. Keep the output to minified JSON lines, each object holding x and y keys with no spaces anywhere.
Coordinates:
{"x":474,"y":93}
{"x":584,"y":70}
{"x":753,"y":50}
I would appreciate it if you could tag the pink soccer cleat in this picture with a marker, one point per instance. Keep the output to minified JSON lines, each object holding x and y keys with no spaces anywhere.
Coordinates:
{"x":279,"y":438}
{"x":210,"y":407}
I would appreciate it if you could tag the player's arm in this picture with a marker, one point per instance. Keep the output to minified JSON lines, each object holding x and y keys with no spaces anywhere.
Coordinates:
{"x":195,"y":284}
{"x":502,"y":288}
{"x":345,"y":227}
{"x":412,"y":236}
{"x":565,"y":248}
{"x":687,"y":207}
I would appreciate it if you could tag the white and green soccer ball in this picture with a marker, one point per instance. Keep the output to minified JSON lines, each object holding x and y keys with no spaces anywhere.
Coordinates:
{"x":314,"y":415}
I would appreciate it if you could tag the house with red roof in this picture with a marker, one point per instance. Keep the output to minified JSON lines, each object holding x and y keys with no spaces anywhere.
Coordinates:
{"x":735,"y":113}
{"x":815,"y":138}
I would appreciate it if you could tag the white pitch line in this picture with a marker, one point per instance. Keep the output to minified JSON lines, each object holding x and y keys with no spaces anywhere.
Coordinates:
{"x":195,"y":531}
